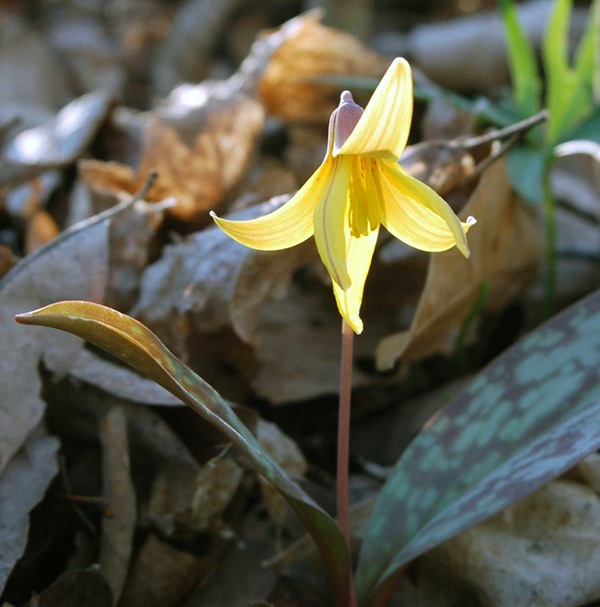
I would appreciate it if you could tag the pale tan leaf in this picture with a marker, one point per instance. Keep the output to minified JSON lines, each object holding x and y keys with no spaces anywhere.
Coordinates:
{"x":506,"y":249}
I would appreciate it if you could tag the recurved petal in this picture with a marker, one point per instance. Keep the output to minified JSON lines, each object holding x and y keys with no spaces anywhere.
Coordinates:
{"x":359,"y":255}
{"x":383,"y":129}
{"x":287,"y":226}
{"x":412,"y":212}
{"x":331,"y":222}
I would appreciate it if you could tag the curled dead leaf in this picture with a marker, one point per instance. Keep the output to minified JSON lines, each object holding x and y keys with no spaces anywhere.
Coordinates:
{"x":506,"y":249}
{"x":287,"y":85}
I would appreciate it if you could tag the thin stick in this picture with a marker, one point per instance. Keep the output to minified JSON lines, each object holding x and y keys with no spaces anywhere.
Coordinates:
{"x":343,"y":447}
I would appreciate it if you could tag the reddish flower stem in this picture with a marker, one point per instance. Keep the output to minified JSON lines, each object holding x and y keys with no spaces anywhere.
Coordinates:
{"x":343,"y":447}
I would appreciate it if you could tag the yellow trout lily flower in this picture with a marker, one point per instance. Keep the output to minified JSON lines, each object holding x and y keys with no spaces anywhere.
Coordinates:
{"x":358,"y":187}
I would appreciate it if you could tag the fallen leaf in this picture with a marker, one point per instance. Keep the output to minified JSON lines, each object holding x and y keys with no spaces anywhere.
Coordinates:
{"x":78,"y":588}
{"x":41,"y":229}
{"x":162,"y":575}
{"x":76,"y":265}
{"x":187,"y":501}
{"x":57,"y":143}
{"x":216,"y":280}
{"x":30,"y":72}
{"x":118,"y":491}
{"x":184,"y":56}
{"x":7,"y":260}
{"x":288,"y":85}
{"x":288,"y":455}
{"x":240,"y":578}
{"x":197,"y":176}
{"x":23,"y":483}
{"x":506,"y":249}
{"x":130,"y":240}
{"x":73,"y":265}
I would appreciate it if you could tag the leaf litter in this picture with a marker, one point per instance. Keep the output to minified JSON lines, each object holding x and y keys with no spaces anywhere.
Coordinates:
{"x":179,"y":518}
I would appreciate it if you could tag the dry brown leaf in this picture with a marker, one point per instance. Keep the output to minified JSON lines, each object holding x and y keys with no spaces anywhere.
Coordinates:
{"x":314,"y":50}
{"x":197,"y":176}
{"x":288,"y":455}
{"x":7,"y":259}
{"x":162,"y":575}
{"x":506,"y":249}
{"x":186,"y":501}
{"x":118,"y":491}
{"x":40,"y":230}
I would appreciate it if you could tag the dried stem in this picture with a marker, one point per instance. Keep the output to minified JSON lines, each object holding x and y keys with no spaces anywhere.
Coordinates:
{"x":343,"y":447}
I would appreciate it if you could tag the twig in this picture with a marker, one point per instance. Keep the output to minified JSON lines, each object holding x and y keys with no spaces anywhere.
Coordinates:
{"x":143,"y":191}
{"x":468,"y":143}
{"x":76,"y":507}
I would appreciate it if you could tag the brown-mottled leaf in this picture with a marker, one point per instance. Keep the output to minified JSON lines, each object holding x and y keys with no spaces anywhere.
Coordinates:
{"x":525,"y":419}
{"x":133,"y":343}
{"x":506,"y":248}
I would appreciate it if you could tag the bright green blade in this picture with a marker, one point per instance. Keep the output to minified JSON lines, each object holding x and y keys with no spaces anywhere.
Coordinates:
{"x":527,"y":85}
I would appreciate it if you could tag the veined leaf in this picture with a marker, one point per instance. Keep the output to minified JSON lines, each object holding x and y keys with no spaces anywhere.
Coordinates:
{"x":132,"y":342}
{"x":529,"y":416}
{"x":527,"y":85}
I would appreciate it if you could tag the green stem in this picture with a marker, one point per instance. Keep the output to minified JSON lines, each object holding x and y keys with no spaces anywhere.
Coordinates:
{"x":551,"y":250}
{"x":343,"y":445}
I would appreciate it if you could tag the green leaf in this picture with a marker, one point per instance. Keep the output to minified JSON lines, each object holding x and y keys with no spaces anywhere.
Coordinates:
{"x":526,"y":418}
{"x":578,"y":85}
{"x":556,"y":61}
{"x":130,"y":341}
{"x":589,"y":129}
{"x":525,"y":171}
{"x":527,"y":85}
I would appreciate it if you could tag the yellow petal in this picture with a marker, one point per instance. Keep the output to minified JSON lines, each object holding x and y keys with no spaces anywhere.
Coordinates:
{"x":383,"y":129}
{"x":412,"y":212}
{"x":287,"y":226}
{"x":293,"y":222}
{"x":331,"y":222}
{"x":359,"y":255}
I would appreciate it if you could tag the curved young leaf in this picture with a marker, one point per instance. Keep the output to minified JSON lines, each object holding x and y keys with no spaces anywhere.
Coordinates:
{"x":526,"y":418}
{"x":527,"y":85}
{"x":132,"y":342}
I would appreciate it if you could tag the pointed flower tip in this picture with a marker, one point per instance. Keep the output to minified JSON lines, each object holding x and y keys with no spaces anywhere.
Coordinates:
{"x":346,"y":97}
{"x":213,"y":215}
{"x":471,"y":221}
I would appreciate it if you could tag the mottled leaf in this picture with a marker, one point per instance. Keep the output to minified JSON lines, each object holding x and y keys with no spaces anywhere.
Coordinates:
{"x":530,"y":415}
{"x":130,"y":341}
